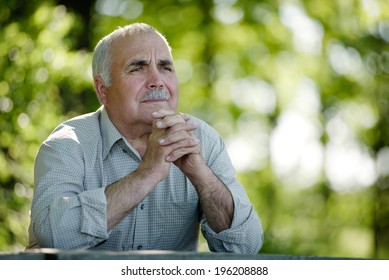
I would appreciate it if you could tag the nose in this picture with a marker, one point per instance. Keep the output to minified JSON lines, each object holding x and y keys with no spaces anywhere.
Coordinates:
{"x":154,"y":80}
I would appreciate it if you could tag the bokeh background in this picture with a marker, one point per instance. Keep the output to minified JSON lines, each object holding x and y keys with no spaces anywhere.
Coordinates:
{"x":299,"y":89}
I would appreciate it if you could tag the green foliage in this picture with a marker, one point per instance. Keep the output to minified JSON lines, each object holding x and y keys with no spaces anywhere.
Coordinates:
{"x":299,"y":90}
{"x":41,"y":82}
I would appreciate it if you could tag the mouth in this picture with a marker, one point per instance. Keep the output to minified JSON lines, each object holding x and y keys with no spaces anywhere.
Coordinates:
{"x":156,"y":96}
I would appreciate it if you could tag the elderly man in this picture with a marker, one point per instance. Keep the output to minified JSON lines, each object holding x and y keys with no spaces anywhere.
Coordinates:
{"x":135,"y":174}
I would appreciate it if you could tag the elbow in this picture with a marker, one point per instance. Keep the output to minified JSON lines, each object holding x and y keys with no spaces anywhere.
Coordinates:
{"x":41,"y":232}
{"x":258,"y":236}
{"x":249,"y":239}
{"x":254,"y":237}
{"x":54,"y":234}
{"x":259,"y":242}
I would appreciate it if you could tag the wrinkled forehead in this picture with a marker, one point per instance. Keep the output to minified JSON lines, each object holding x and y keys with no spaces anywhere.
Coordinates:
{"x":139,"y":46}
{"x":140,"y":41}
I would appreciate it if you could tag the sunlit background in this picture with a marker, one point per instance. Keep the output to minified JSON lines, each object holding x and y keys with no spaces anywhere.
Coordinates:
{"x":298,"y":89}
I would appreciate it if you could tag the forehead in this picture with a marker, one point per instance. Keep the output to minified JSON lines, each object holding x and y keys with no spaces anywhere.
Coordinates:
{"x":140,"y":45}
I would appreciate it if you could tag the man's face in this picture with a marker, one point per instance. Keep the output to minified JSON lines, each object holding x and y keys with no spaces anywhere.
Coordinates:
{"x":141,"y":65}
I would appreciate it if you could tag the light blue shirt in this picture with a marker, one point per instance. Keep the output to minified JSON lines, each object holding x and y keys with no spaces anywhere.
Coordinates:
{"x":86,"y":154}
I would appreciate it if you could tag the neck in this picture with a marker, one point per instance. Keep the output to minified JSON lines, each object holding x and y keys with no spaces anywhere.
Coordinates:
{"x":136,"y":134}
{"x":137,"y":137}
{"x":140,"y":145}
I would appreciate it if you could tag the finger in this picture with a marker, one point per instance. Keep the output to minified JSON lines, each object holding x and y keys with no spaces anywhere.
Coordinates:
{"x":186,"y":126}
{"x":186,"y":117}
{"x":178,"y":153}
{"x":162,"y":113}
{"x":177,"y":137}
{"x":182,"y":148}
{"x":169,"y":121}
{"x":177,"y":133}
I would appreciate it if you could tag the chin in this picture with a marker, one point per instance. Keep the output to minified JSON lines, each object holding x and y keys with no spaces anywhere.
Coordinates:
{"x":159,"y":105}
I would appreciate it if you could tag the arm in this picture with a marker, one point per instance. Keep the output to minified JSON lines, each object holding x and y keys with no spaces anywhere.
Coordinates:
{"x":61,"y":204}
{"x":245,"y":234}
{"x":124,"y":195}
{"x":230,"y":223}
{"x":215,"y":198}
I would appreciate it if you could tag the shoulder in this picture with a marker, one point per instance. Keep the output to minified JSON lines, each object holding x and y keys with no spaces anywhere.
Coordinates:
{"x":204,"y":129}
{"x":71,"y":141}
{"x":212,"y":144}
{"x":77,"y":129}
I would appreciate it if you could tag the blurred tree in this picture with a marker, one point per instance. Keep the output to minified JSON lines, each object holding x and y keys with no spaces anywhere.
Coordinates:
{"x":299,"y":90}
{"x":81,"y":32}
{"x":43,"y":78}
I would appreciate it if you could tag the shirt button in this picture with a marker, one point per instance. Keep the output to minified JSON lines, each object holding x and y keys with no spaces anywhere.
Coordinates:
{"x":142,"y":206}
{"x":140,"y":247}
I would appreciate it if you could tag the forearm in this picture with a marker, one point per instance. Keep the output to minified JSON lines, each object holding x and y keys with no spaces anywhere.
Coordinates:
{"x":124,"y":195}
{"x":215,"y":199}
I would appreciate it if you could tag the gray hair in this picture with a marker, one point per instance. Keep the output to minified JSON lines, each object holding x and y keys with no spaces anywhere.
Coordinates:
{"x":101,"y":61}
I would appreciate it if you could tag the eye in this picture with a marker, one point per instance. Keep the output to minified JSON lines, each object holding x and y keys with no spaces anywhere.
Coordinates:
{"x":136,"y":69}
{"x":168,"y":68}
{"x":166,"y":65}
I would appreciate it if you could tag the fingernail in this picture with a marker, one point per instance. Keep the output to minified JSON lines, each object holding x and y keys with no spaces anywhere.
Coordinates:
{"x":158,"y":124}
{"x":161,"y":141}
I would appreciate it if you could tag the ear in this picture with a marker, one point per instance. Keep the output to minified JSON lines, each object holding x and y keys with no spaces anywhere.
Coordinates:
{"x":101,"y":90}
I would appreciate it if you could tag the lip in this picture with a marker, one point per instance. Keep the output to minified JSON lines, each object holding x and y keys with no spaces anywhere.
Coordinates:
{"x":151,"y":100}
{"x":154,"y":101}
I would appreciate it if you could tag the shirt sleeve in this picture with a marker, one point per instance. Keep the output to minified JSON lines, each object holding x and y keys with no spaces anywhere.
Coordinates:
{"x":245,"y":235}
{"x":65,"y":215}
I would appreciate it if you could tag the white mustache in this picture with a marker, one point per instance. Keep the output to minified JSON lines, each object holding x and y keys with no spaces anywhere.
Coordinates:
{"x":156,"y":94}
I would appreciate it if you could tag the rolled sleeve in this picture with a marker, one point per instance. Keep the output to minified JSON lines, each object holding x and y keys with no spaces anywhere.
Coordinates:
{"x":93,"y":213}
{"x":245,"y":236}
{"x":78,"y":221}
{"x":65,"y":214}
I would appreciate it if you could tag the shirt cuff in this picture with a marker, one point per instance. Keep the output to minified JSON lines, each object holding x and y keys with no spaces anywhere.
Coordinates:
{"x":94,"y":213}
{"x":235,"y":233}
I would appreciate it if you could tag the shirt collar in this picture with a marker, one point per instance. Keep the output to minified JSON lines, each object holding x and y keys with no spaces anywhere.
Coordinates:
{"x":108,"y":131}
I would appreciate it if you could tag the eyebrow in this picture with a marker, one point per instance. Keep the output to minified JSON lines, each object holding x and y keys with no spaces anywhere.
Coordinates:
{"x":165,"y":62}
{"x":142,"y":62}
{"x":138,"y":62}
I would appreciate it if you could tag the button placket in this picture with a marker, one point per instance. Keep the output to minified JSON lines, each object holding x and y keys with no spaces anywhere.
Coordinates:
{"x":142,"y":226}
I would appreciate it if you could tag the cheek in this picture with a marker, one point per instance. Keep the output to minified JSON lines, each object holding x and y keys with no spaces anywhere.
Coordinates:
{"x":173,"y":87}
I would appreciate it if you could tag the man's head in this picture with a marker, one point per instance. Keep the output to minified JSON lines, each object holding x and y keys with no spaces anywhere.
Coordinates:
{"x":134,"y":74}
{"x":101,"y":62}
